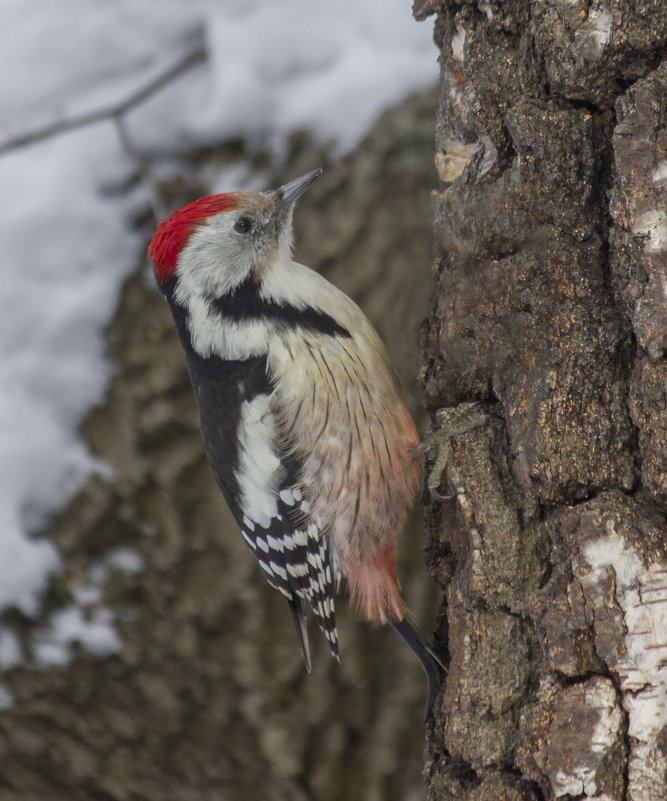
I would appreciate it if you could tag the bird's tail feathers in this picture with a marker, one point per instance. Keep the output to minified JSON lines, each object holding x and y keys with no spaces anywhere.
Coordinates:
{"x":301,"y":625}
{"x":413,"y":623}
{"x":411,"y":636}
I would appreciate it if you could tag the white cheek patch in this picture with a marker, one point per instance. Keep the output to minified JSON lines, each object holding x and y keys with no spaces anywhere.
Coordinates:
{"x":212,"y":262}
{"x":260,"y":470}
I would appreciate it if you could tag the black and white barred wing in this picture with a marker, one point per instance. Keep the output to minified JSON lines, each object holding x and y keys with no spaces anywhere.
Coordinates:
{"x":291,"y":550}
{"x":260,"y":482}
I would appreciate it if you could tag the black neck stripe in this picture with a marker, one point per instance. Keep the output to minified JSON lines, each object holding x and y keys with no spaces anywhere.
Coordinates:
{"x":245,"y":304}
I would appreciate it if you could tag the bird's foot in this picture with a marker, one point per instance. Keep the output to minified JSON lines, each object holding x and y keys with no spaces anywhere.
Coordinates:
{"x":448,"y":424}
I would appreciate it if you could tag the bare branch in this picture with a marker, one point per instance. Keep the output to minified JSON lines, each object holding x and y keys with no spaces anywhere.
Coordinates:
{"x":106,"y":112}
{"x":157,"y":205}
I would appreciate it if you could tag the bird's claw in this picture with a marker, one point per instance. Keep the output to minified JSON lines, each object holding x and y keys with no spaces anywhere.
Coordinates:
{"x":448,"y":424}
{"x":438,"y":496}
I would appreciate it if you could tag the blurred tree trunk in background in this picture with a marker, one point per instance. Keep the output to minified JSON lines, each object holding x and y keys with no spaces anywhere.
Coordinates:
{"x":207,"y":698}
{"x":550,"y":305}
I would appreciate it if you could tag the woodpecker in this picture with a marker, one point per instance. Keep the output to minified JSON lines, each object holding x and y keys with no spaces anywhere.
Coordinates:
{"x":302,"y":413}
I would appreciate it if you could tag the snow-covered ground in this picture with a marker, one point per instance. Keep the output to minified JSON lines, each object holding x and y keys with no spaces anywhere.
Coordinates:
{"x":260,"y":69}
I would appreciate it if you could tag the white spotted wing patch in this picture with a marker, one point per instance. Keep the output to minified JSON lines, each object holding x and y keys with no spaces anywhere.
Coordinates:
{"x":287,"y":497}
{"x":296,"y":562}
{"x":249,"y":540}
{"x":290,"y":549}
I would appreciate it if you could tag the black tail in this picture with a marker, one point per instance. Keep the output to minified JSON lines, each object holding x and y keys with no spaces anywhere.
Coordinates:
{"x":300,"y":621}
{"x":413,"y":639}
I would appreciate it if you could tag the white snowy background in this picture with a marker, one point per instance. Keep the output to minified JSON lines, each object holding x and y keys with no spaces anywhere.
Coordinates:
{"x":254,"y":68}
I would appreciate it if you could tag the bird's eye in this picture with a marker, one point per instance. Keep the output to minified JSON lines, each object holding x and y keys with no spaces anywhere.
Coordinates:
{"x":243,"y":225}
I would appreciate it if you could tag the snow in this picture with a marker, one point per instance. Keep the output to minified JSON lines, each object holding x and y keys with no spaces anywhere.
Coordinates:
{"x":70,"y":625}
{"x":10,"y":650}
{"x":65,"y":251}
{"x":66,"y":246}
{"x":126,"y":560}
{"x":270,"y":67}
{"x":6,"y":699}
{"x":274,"y":68}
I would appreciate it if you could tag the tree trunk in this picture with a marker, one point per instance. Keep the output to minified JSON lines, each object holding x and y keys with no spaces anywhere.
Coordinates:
{"x":550,"y":307}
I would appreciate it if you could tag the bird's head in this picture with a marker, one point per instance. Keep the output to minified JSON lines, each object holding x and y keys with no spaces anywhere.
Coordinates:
{"x":214,"y":244}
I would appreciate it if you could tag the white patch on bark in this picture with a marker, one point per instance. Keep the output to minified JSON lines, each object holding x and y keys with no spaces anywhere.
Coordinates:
{"x":458,"y":41}
{"x":580,"y":776}
{"x":641,"y":593}
{"x":660,"y":173}
{"x":593,"y":35}
{"x":653,"y":225}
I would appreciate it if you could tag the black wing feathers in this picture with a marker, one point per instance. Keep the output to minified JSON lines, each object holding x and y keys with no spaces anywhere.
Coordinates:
{"x":292,"y":553}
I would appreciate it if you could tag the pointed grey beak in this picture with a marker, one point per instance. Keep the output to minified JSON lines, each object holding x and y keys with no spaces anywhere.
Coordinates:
{"x":288,"y":193}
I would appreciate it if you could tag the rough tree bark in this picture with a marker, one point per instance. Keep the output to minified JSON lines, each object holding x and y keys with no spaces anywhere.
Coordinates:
{"x":550,"y":306}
